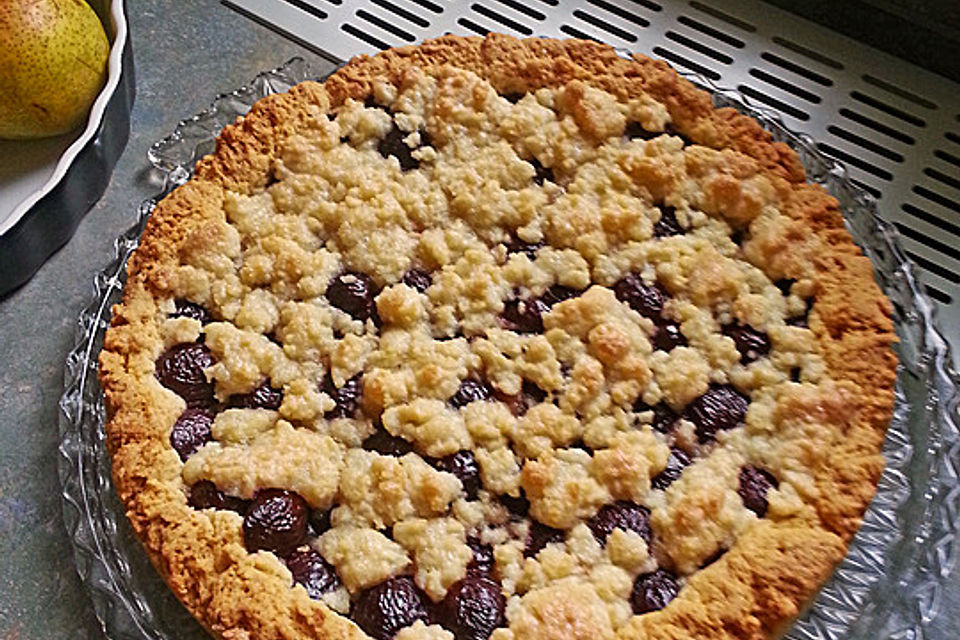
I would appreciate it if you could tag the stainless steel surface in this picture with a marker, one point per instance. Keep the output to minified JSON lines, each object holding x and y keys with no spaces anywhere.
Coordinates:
{"x":895,"y":125}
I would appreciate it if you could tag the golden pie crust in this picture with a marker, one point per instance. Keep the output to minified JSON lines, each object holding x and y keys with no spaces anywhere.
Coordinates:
{"x":228,"y":239}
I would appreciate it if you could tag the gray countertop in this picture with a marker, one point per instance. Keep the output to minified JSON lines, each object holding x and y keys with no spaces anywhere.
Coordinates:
{"x":185,"y":53}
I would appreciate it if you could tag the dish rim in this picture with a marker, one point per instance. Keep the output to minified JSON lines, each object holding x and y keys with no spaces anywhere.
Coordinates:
{"x":117,"y":15}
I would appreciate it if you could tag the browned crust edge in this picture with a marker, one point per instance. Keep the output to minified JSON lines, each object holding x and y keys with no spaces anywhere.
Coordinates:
{"x":752,"y":592}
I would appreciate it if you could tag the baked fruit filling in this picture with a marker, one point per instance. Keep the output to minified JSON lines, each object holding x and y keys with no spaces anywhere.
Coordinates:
{"x":468,"y":364}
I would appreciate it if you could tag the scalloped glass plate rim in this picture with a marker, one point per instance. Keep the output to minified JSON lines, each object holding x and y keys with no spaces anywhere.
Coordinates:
{"x":888,"y":585}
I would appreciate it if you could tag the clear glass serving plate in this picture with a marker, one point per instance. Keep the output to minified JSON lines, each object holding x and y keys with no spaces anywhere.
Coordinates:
{"x":888,"y":586}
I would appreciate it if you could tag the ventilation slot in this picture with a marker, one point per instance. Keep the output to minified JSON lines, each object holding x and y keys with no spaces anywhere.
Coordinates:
{"x":931,"y":219}
{"x":816,"y":56}
{"x":576,"y":33}
{"x":502,"y":19}
{"x":879,"y":127}
{"x":686,"y":63}
{"x":798,"y":69}
{"x":854,"y":161}
{"x":335,"y":3}
{"x":473,"y":26}
{"x":884,"y":107}
{"x":524,"y":9}
{"x":924,"y":239}
{"x":876,"y":193}
{"x":702,"y":49}
{"x":364,"y":36}
{"x":306,"y":7}
{"x":401,"y":12}
{"x":934,"y":268}
{"x":942,"y":178}
{"x":622,"y":13}
{"x":935,"y":197}
{"x":774,"y":81}
{"x":952,"y":137}
{"x":947,"y":157}
{"x":863,"y":143}
{"x":897,"y":91}
{"x":720,"y":15}
{"x":770,"y":101}
{"x":429,"y":6}
{"x":936,"y":294}
{"x":653,"y":6}
{"x":386,"y":26}
{"x":606,"y":26}
{"x":707,"y":30}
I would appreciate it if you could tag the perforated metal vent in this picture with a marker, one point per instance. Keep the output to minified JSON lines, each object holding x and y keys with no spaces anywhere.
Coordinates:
{"x":896,"y":126}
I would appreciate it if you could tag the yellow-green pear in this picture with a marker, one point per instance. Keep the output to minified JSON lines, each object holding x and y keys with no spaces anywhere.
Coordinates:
{"x":53,"y":58}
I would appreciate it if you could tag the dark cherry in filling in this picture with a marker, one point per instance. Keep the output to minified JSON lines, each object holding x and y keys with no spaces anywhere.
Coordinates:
{"x":187,"y":309}
{"x":472,"y":608}
{"x":667,"y":225}
{"x":386,"y":444}
{"x":539,"y":536}
{"x":542,"y":173}
{"x":529,"y":396}
{"x":464,"y":466}
{"x":180,"y":369}
{"x":205,"y":495}
{"x":751,"y":344}
{"x":386,"y":608}
{"x":676,"y":463}
{"x":354,"y":293}
{"x":559,"y":293}
{"x":754,"y":484}
{"x":635,"y":130}
{"x":310,"y":569}
{"x":516,"y":245}
{"x":318,"y":522}
{"x":668,"y":336}
{"x":620,"y":515}
{"x":417,"y":279}
{"x":784,"y":285}
{"x":470,"y":390}
{"x":483,"y":561}
{"x":664,"y":418}
{"x":722,"y":407}
{"x":276,"y":521}
{"x":524,"y":316}
{"x":393,"y":145}
{"x":347,"y":397}
{"x":518,"y":506}
{"x":191,"y":431}
{"x":653,"y":591}
{"x":645,"y":299}
{"x":263,"y":397}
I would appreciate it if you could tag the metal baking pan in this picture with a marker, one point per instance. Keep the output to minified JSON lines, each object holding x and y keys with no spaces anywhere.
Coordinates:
{"x":37,"y":220}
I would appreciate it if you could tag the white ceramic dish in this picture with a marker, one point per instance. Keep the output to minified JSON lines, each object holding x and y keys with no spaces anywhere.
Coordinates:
{"x":35,"y":175}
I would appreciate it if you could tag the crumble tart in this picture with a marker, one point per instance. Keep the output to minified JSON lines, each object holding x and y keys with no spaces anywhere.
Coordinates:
{"x":497,"y":338}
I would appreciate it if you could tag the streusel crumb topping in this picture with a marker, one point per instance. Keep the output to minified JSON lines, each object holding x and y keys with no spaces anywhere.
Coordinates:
{"x":470,"y":364}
